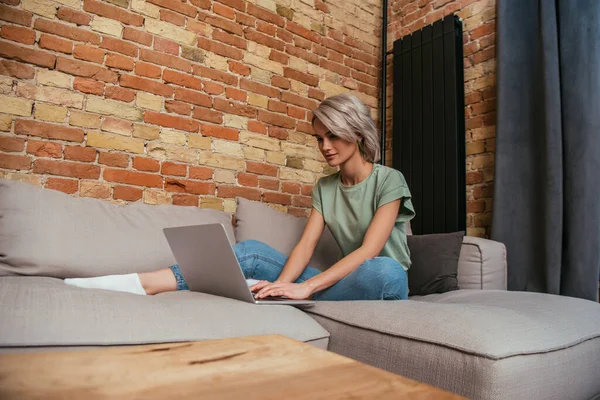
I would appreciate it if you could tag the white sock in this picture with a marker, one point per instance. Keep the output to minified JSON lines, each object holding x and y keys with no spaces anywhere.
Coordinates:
{"x":121,"y":283}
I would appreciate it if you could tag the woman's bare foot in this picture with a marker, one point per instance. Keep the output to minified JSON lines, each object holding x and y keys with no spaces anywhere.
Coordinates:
{"x":159,"y":281}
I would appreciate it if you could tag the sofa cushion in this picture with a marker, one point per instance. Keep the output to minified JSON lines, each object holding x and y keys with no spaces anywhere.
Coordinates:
{"x":480,"y":344}
{"x":49,"y":233}
{"x":258,"y":221}
{"x":39,"y":311}
{"x":434,"y":262}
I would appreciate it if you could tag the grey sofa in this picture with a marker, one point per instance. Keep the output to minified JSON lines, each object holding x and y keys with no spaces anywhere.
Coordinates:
{"x":482,"y":341}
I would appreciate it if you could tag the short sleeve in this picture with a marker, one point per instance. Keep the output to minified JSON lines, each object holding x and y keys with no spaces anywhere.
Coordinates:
{"x":394,"y":187}
{"x":316,"y":198}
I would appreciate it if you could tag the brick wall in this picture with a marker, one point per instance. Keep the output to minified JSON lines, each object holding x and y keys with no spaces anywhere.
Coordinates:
{"x":479,"y":27}
{"x":183,"y":102}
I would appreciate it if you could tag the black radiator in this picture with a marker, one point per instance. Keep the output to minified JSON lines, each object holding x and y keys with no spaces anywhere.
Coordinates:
{"x":429,"y":124}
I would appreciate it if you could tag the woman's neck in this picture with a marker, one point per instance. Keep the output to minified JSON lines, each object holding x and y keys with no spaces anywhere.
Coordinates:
{"x":355,"y":170}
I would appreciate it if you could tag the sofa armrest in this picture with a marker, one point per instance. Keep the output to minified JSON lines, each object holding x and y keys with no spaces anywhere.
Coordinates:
{"x":482,"y":264}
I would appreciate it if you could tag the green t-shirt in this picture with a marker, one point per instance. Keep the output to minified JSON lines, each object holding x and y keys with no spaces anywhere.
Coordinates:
{"x":349,"y":210}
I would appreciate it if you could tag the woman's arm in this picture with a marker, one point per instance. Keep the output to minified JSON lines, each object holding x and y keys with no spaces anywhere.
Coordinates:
{"x":377,"y":235}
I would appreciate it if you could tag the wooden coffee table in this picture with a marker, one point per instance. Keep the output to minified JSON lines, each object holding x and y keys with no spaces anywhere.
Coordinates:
{"x":255,"y":367}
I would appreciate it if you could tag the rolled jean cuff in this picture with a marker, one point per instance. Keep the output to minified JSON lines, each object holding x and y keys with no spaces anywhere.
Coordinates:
{"x":181,"y":284}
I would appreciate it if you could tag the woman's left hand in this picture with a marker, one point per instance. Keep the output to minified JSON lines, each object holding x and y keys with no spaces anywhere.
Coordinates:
{"x":294,"y":291}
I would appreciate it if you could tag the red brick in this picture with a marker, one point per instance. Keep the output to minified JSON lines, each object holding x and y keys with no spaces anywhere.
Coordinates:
{"x":290,"y":187}
{"x":483,"y":107}
{"x":261,"y":169}
{"x":265,"y":15}
{"x":235,"y":94}
{"x":80,"y":153}
{"x":484,"y":191}
{"x":259,"y":88}
{"x":269,"y":183}
{"x":278,"y":133}
{"x":362,"y":56}
{"x":487,"y":41}
{"x":18,"y":34}
{"x":256,"y":126}
{"x":237,"y":4}
{"x":208,"y":115}
{"x":474,"y":177}
{"x":277,"y":106}
{"x":301,"y":76}
{"x":232,"y":40}
{"x":276,"y":119}
{"x":44,"y":149}
{"x":16,"y":69}
{"x":247,"y":179}
{"x":15,"y":16}
{"x":299,"y":101}
{"x":236,"y":191}
{"x":9,"y":161}
{"x":371,"y":80}
{"x":185,"y":200}
{"x":473,"y":97}
{"x":280,"y":82}
{"x":321,"y":6}
{"x":220,"y":49}
{"x":304,"y":127}
{"x":66,"y":168}
{"x":68,"y":186}
{"x":223,"y":11}
{"x":166,"y":46}
{"x":88,"y":86}
{"x":475,"y":206}
{"x":172,"y":17}
{"x":205,"y":4}
{"x":279,"y":57}
{"x":235,"y":108}
{"x":483,"y":30}
{"x":306,"y":190}
{"x":297,"y":212}
{"x":193,"y":97}
{"x":149,"y":70}
{"x":114,"y":159}
{"x":296,"y":112}
{"x":119,"y":62}
{"x":119,"y":93}
{"x":335,"y":67}
{"x":41,"y":58}
{"x":212,"y":88}
{"x":220,"y":132}
{"x":238,"y":68}
{"x":80,"y":68}
{"x":484,"y":55}
{"x":56,"y":28}
{"x":187,"y":186}
{"x":133,"y":178}
{"x":263,"y":27}
{"x":302,"y":201}
{"x":89,"y":53}
{"x":120,"y":46}
{"x":112,"y":12}
{"x":202,"y":173}
{"x":170,"y":168}
{"x":178,"y":107}
{"x":48,"y":131}
{"x":135,"y":82}
{"x":219,"y":22}
{"x":176,"y":5}
{"x":215,"y":75}
{"x":263,"y":39}
{"x":320,"y":50}
{"x":181,"y":79}
{"x":146,"y":164}
{"x":137,"y":36}
{"x":73,"y":16}
{"x":127,"y":193}
{"x":56,"y":44}
{"x":279,"y":198}
{"x":171,"y":121}
{"x":302,"y":31}
{"x":244,"y":19}
{"x":489,"y":92}
{"x":303,"y":43}
{"x":285,"y":35}
{"x":11,"y":144}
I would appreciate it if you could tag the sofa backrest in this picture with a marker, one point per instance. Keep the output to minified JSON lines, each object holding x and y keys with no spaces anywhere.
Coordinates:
{"x":49,"y":233}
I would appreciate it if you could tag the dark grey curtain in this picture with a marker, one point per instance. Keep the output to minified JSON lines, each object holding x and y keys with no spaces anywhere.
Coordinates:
{"x":547,"y":177}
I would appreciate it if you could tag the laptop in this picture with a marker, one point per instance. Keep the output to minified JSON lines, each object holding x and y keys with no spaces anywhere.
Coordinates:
{"x":209,"y":265}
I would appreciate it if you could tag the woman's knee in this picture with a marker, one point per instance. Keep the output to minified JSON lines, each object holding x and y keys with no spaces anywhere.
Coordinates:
{"x":249,"y":247}
{"x":389,"y":275}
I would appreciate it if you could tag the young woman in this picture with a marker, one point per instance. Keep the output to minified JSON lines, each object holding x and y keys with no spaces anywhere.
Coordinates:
{"x":365,"y":205}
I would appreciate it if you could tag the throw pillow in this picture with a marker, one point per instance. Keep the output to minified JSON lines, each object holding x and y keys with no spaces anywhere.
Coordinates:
{"x":281,"y":231}
{"x":434,"y":262}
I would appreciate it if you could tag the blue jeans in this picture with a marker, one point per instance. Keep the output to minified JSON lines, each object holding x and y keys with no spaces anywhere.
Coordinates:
{"x":379,"y":278}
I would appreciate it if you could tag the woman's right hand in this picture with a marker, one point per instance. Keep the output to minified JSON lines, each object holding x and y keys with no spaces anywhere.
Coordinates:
{"x":259,"y":285}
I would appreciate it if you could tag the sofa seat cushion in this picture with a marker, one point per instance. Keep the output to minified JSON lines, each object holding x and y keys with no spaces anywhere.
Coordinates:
{"x":480,"y":344}
{"x":39,"y":311}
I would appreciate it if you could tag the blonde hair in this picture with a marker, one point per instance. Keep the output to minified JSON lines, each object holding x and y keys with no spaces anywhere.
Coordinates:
{"x":349,"y":118}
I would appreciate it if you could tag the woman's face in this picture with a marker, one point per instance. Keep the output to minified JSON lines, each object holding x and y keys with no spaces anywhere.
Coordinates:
{"x":335,"y":150}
